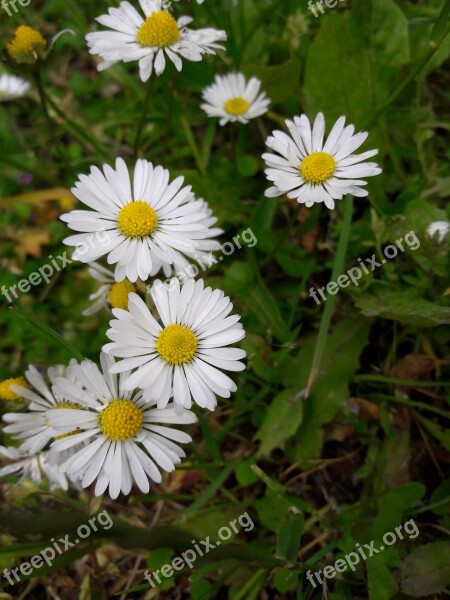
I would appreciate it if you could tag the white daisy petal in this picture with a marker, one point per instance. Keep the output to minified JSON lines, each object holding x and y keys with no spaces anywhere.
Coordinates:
{"x":133,"y":37}
{"x":125,"y":438}
{"x":311,"y":171}
{"x":151,"y":224}
{"x":188,"y":353}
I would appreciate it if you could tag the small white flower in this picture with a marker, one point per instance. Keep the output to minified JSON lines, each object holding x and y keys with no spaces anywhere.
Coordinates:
{"x":151,"y":38}
{"x":33,"y":467}
{"x":12,"y":87}
{"x":150,"y":224}
{"x":32,"y":426}
{"x":124,"y":436}
{"x":233,"y":99}
{"x":111,"y":294}
{"x":441,"y":228}
{"x":311,"y":171}
{"x":183,"y":355}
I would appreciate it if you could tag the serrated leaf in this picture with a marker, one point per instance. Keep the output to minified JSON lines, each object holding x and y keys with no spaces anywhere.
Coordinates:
{"x":426,"y":570}
{"x":404,"y":307}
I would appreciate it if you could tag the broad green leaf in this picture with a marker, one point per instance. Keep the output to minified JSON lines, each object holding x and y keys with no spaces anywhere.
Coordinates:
{"x":381,"y":583}
{"x":283,"y":418}
{"x":289,"y":536}
{"x":392,"y":506}
{"x":441,"y":497}
{"x":340,"y":362}
{"x":426,"y":570}
{"x":285,"y":580}
{"x":404,"y":307}
{"x":274,"y":79}
{"x":366,"y":46}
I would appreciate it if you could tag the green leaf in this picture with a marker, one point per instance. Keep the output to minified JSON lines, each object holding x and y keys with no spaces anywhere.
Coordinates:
{"x":404,"y":307}
{"x":381,"y":583}
{"x":392,"y":506}
{"x":426,"y":570}
{"x":285,"y":580}
{"x":441,"y":494}
{"x":366,"y":46}
{"x":283,"y":418}
{"x":340,"y":362}
{"x":247,"y":165}
{"x":274,"y":79}
{"x":288,"y":538}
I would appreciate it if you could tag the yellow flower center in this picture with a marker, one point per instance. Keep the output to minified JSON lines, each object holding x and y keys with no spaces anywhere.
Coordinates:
{"x":27,"y":45}
{"x":137,"y":219}
{"x":177,"y":344}
{"x":159,"y":30}
{"x":118,"y":294}
{"x":6,"y":392}
{"x":318,"y":167}
{"x":236,"y":106}
{"x":121,"y":420}
{"x":72,"y":406}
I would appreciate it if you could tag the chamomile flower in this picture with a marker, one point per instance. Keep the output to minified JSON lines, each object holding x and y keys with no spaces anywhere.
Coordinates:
{"x":185,"y":354}
{"x":27,"y":46}
{"x":150,"y":224}
{"x":311,"y":171}
{"x":112,"y":293}
{"x":12,"y":87}
{"x":33,"y":467}
{"x":232,"y":98}
{"x":438,"y":229}
{"x":126,"y":439}
{"x":150,"y":38}
{"x":32,"y":426}
{"x":6,"y":393}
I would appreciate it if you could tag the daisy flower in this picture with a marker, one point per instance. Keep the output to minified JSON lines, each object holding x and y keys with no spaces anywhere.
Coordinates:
{"x":184,"y":354}
{"x":439,"y":229}
{"x":311,"y":171}
{"x":151,"y":38}
{"x":32,"y":426}
{"x":33,"y":467}
{"x":6,"y":393}
{"x":12,"y":87}
{"x":233,"y":99}
{"x":126,"y":439}
{"x":27,"y":46}
{"x":111,"y":294}
{"x":150,"y":224}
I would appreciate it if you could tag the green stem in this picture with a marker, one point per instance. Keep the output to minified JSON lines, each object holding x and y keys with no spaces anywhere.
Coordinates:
{"x":51,"y":128}
{"x":141,"y":125}
{"x":193,"y":145}
{"x":395,"y":381}
{"x":78,"y":130}
{"x":338,"y":266}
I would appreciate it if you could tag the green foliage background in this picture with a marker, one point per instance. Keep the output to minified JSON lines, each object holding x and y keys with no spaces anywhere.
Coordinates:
{"x":369,"y":448}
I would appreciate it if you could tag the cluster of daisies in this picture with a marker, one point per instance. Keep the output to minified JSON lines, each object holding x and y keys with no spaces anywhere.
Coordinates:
{"x":116,"y":424}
